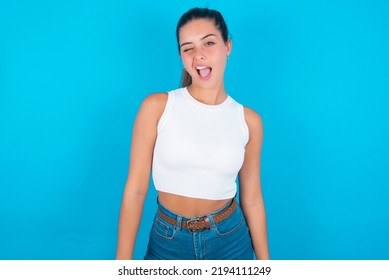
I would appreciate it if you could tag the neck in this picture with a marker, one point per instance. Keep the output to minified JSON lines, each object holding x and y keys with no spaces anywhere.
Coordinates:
{"x":210,"y":96}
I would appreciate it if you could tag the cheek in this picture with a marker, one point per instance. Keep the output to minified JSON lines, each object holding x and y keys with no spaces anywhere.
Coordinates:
{"x":186,"y":61}
{"x":211,"y":52}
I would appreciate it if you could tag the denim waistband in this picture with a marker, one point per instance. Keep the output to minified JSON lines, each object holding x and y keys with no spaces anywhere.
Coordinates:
{"x":184,"y":218}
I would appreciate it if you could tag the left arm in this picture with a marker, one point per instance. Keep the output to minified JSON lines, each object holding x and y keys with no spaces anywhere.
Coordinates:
{"x":251,"y":199}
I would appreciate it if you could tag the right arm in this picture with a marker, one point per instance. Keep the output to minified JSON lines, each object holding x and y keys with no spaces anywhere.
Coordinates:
{"x":144,"y":135}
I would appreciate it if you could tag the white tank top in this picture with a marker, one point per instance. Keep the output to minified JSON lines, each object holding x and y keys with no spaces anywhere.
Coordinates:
{"x":199,"y":148}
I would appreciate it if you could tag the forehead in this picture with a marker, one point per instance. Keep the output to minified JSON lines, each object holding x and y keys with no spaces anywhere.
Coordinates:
{"x":198,"y":28}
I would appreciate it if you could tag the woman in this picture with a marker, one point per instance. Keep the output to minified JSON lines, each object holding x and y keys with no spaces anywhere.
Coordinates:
{"x":197,"y":140}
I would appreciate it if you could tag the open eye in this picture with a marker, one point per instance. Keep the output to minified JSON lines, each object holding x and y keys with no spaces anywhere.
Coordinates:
{"x":209,"y":43}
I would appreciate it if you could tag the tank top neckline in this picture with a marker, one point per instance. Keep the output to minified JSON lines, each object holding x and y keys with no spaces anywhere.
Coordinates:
{"x":203,"y":105}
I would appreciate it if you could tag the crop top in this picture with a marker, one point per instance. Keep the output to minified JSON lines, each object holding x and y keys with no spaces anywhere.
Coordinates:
{"x":199,"y":148}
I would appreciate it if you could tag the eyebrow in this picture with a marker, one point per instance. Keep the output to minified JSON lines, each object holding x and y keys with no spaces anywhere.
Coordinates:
{"x":187,"y":43}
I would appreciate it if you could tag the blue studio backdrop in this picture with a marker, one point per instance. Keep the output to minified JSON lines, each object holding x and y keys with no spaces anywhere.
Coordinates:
{"x":72,"y":77}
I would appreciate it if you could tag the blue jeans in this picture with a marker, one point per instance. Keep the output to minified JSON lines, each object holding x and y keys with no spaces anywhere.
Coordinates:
{"x":227,"y":240}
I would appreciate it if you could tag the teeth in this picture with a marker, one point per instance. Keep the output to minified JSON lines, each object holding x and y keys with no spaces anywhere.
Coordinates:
{"x":200,"y":67}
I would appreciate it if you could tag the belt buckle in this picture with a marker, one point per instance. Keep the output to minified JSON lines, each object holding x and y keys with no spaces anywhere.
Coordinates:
{"x":193,"y":222}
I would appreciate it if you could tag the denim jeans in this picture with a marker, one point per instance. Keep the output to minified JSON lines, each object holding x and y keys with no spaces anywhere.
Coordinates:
{"x":227,"y":240}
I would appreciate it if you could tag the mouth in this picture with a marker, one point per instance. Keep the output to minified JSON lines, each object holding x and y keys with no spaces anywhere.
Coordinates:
{"x":204,"y":72}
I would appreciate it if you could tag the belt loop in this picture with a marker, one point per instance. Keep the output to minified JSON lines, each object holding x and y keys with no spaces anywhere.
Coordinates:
{"x":211,"y":221}
{"x":179,"y":222}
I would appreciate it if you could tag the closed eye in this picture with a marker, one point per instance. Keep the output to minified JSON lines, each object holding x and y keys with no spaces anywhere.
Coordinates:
{"x":188,"y":49}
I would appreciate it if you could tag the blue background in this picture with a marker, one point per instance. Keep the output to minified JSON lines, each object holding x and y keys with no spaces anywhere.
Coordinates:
{"x":72,"y":77}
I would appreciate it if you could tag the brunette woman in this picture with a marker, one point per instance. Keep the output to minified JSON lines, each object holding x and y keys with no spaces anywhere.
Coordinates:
{"x":195,"y":141}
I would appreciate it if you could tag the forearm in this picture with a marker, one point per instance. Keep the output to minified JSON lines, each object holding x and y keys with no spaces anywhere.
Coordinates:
{"x":256,"y":220}
{"x":130,"y":217}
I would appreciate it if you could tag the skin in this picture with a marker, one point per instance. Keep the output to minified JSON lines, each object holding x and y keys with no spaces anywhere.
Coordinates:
{"x":201,"y":45}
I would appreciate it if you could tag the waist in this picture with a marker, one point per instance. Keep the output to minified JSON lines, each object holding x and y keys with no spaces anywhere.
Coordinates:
{"x":188,"y":206}
{"x":198,"y":222}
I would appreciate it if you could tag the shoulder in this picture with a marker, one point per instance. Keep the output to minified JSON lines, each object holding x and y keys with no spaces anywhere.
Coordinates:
{"x":152,"y":107}
{"x":155,"y":100}
{"x":254,"y":124}
{"x":253,"y":119}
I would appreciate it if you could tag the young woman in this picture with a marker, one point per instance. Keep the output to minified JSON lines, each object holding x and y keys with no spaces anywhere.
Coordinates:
{"x":196,"y":140}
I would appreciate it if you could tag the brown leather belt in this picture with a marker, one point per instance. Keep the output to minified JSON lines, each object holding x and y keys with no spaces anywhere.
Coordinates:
{"x":198,"y":224}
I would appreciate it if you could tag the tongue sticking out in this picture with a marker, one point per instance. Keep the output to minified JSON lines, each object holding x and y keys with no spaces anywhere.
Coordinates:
{"x":204,"y":72}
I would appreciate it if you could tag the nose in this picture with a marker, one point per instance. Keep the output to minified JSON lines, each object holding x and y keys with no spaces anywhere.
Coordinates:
{"x":199,"y":55}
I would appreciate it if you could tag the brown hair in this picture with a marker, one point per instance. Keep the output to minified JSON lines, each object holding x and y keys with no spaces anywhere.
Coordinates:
{"x":186,"y":79}
{"x":200,"y":13}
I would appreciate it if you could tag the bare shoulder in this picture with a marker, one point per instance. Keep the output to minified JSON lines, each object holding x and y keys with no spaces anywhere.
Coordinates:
{"x":155,"y":100}
{"x":253,"y":119}
{"x":153,"y":105}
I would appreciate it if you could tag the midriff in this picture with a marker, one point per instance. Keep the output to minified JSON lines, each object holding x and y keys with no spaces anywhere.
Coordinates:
{"x":188,"y":206}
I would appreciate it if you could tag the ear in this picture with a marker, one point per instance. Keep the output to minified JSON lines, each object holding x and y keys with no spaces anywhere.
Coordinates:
{"x":229,"y":46}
